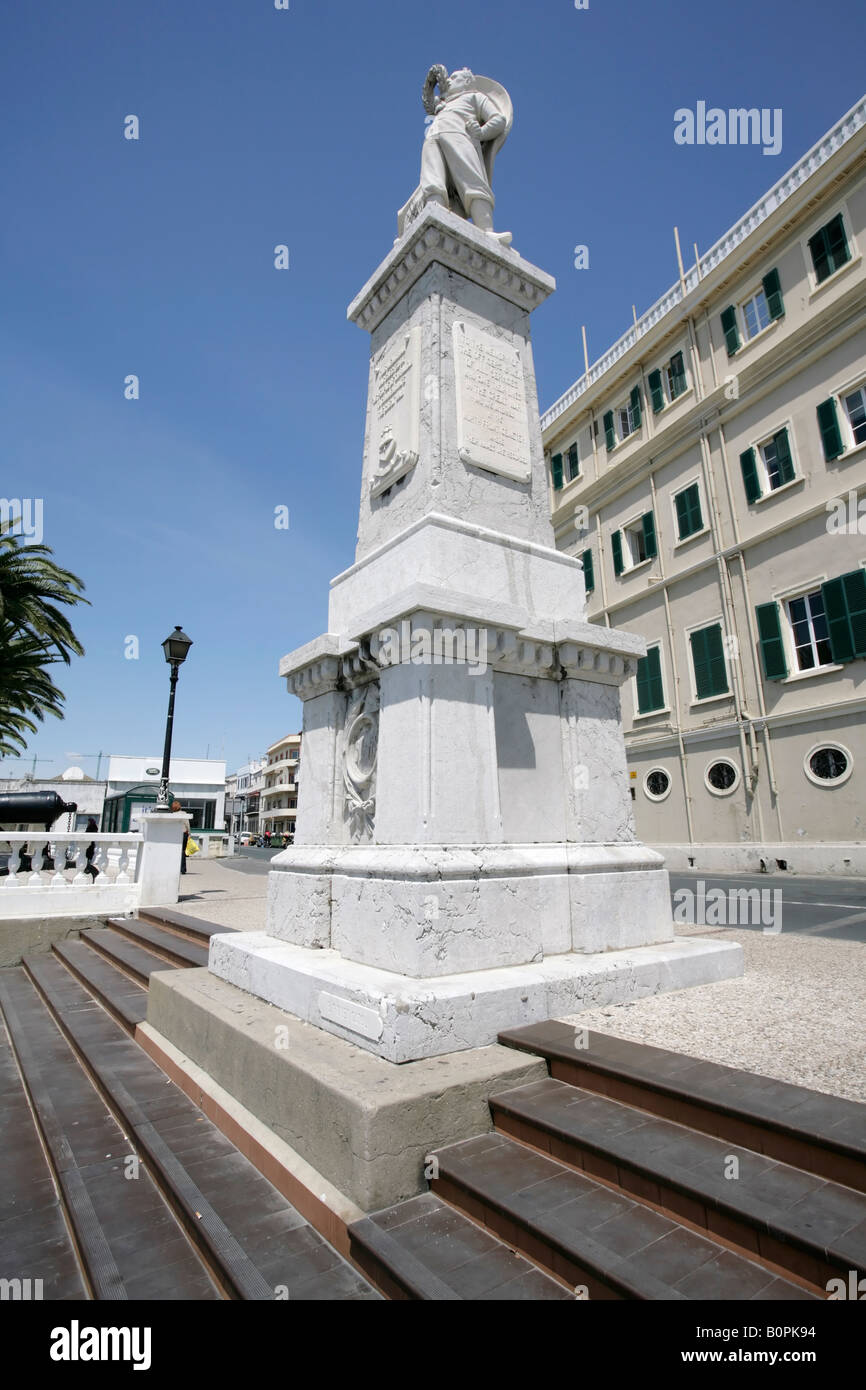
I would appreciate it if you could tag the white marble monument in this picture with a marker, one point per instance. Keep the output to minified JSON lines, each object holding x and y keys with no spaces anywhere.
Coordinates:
{"x":465,"y":858}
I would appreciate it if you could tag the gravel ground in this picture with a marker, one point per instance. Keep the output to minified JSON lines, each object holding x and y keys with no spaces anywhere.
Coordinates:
{"x":798,"y":1014}
{"x":223,"y":895}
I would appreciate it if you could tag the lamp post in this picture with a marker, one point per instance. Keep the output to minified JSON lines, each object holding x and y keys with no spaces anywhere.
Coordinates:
{"x":175,"y":647}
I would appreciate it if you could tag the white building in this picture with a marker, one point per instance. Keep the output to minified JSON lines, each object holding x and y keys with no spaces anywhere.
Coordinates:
{"x":279,"y":797}
{"x":133,"y":782}
{"x":710,"y":470}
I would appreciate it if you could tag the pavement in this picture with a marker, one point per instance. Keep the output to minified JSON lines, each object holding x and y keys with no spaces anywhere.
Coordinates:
{"x":798,"y":1013}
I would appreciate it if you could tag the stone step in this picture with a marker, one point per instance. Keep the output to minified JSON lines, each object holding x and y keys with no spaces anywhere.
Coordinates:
{"x":133,"y":960}
{"x":590,"y":1236}
{"x":182,"y":923}
{"x":807,"y":1227}
{"x":160,"y":941}
{"x":121,"y":1227}
{"x":818,"y":1133}
{"x":423,"y":1249}
{"x":34,"y":1239}
{"x":125,"y":1001}
{"x":253,"y":1242}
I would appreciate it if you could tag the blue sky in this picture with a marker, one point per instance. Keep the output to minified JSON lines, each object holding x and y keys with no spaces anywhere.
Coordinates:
{"x":303,"y":127}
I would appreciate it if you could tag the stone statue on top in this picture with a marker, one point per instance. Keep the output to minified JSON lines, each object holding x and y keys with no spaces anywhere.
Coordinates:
{"x":471,"y":116}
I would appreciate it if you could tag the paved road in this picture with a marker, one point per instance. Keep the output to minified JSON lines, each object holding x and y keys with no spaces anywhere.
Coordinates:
{"x":833,"y":907}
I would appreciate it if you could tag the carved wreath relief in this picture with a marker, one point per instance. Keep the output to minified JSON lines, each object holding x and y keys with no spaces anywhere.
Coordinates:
{"x":360,"y":746}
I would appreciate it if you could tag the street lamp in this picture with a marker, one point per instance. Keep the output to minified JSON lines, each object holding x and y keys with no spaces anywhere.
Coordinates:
{"x":175,"y":647}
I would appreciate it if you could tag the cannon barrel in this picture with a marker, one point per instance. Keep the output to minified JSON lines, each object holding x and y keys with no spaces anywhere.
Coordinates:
{"x":33,"y":808}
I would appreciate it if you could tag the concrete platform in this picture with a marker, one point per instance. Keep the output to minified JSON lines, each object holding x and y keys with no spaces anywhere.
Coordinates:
{"x":363,"y":1123}
{"x":403,"y":1019}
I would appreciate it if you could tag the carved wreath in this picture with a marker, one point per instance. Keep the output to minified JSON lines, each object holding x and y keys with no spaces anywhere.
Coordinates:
{"x":436,"y":77}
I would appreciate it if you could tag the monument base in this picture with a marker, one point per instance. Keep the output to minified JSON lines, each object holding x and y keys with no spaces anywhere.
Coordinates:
{"x":402,"y":1019}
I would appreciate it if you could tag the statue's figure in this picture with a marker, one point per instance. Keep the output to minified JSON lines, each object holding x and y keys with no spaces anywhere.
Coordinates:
{"x":471,"y":118}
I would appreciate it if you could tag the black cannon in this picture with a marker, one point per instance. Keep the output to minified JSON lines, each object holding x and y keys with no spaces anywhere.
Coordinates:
{"x":32,"y":808}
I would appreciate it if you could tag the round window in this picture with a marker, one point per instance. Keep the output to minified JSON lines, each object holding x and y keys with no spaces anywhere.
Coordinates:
{"x":828,"y":764}
{"x":722,"y":777}
{"x":657,"y":784}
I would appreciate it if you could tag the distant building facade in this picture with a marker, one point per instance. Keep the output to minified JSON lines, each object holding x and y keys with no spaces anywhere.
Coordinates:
{"x":247,"y":784}
{"x":279,"y":795}
{"x":710,"y":471}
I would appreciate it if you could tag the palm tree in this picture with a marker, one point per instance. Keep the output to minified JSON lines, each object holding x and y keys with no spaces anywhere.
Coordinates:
{"x":34,"y":634}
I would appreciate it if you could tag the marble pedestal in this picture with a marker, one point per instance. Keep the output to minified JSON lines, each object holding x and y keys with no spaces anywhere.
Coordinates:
{"x":465,"y":857}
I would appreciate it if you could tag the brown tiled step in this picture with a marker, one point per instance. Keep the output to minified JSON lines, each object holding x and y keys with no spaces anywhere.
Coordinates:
{"x":251,"y":1238}
{"x":424,"y":1249}
{"x":183,"y":922}
{"x":121,"y":1227}
{"x":795,"y":1220}
{"x":163,"y":943}
{"x":134,"y":960}
{"x":591,"y":1236}
{"x":34,"y":1239}
{"x":125,"y":1001}
{"x":819,"y":1133}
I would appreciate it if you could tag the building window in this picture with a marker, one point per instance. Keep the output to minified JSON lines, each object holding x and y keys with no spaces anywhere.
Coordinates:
{"x":572,"y":463}
{"x":722,"y":777}
{"x":768,"y":467}
{"x":688,"y":506}
{"x":665,"y":385}
{"x":776,"y":458}
{"x":634,"y":544}
{"x":649,"y":684}
{"x":855,"y":409}
{"x":828,"y":764}
{"x":708,"y":662}
{"x":624,"y":421}
{"x":810,"y":635}
{"x":657,"y":784}
{"x":829,"y":249}
{"x":756,"y":314}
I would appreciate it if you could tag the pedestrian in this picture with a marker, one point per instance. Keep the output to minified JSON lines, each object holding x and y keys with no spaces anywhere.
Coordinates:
{"x":175,"y":808}
{"x":90,"y":868}
{"x":267,"y":839}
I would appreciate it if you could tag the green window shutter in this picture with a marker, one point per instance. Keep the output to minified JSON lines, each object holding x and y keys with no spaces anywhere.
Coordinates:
{"x":654,"y":381}
{"x":635,"y":407}
{"x":820,"y":254}
{"x":770,"y":638}
{"x":845,"y":606}
{"x":837,"y":242}
{"x":573,"y":463}
{"x":688,"y":505}
{"x":588,"y":572}
{"x":708,"y":660}
{"x":831,"y":435}
{"x":650,"y":692}
{"x":730,"y":330}
{"x":649,"y":535}
{"x":556,"y":471}
{"x":773,"y":292}
{"x":678,"y":373}
{"x":783,"y":456}
{"x":616,"y":546}
{"x":609,"y":435}
{"x":751,"y":481}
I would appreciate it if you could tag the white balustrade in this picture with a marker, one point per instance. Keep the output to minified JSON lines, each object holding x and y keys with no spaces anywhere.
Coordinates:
{"x":62,"y":873}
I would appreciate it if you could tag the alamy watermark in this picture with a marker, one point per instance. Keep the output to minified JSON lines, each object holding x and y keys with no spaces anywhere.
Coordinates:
{"x":439,"y":646}
{"x":731,"y":907}
{"x":21,"y":516}
{"x":737,"y":126}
